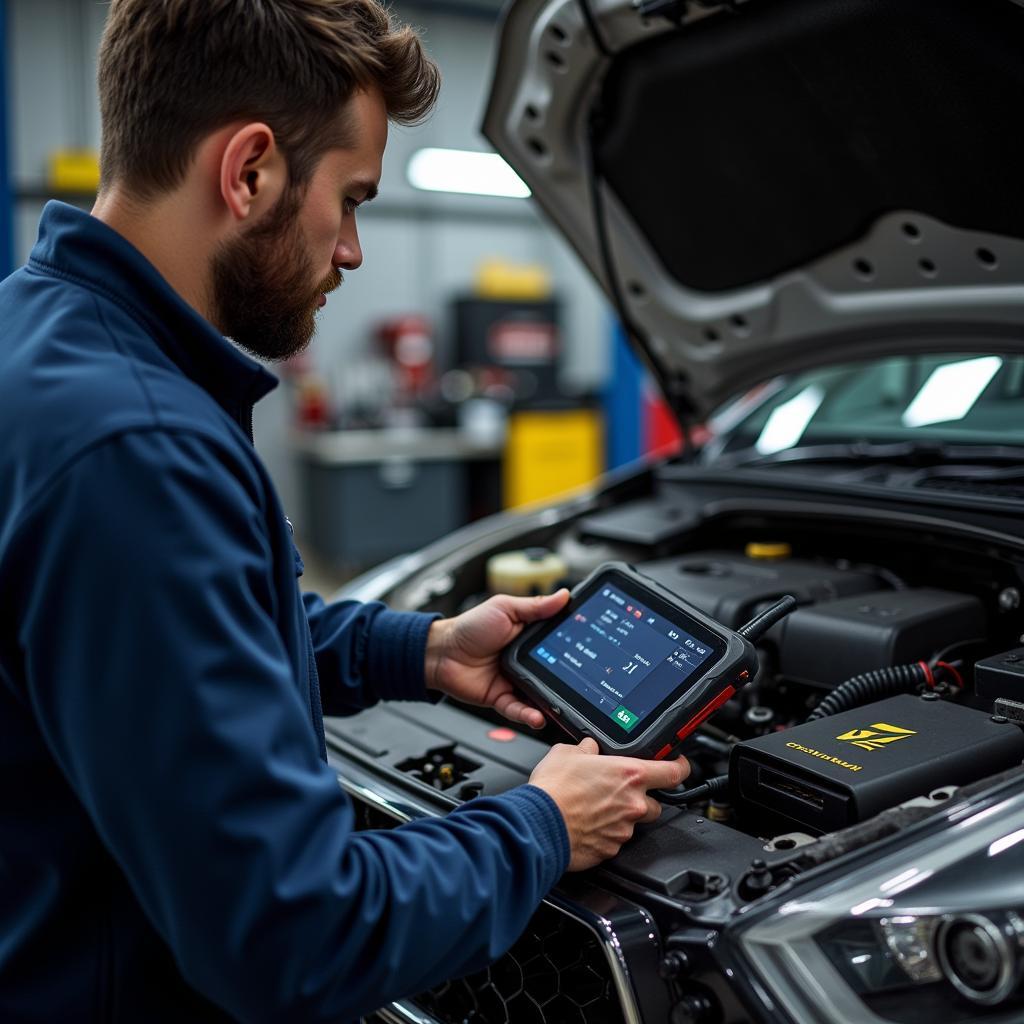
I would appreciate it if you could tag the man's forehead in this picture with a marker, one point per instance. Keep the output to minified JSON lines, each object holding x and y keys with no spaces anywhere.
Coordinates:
{"x":367,"y":116}
{"x":365,"y":139}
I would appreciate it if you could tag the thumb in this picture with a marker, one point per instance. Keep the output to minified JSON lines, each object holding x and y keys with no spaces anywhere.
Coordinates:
{"x":588,"y":745}
{"x":531,"y":609}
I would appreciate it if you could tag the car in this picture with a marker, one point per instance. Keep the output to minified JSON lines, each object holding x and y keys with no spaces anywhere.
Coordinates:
{"x":807,"y":214}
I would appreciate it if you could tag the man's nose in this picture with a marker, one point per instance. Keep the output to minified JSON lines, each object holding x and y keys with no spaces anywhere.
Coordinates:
{"x":348,"y":255}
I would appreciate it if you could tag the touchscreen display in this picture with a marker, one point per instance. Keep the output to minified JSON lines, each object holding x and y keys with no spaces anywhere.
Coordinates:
{"x":620,"y":655}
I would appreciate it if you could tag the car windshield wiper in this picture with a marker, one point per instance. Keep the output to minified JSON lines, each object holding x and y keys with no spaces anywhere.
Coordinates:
{"x":936,"y":457}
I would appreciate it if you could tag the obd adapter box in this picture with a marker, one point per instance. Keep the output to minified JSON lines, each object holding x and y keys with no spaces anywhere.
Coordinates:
{"x":837,"y":771}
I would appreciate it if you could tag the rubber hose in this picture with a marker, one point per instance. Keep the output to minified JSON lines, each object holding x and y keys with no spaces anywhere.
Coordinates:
{"x":870,"y":686}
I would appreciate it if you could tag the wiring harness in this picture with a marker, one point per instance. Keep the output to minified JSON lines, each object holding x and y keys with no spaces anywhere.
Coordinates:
{"x":885,"y":682}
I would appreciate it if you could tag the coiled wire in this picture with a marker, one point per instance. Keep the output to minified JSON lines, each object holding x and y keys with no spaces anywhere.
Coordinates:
{"x":872,"y":686}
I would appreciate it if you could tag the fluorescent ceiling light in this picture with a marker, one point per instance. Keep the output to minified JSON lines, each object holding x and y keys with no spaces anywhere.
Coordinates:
{"x":459,"y":170}
{"x":787,"y":423}
{"x":951,"y":391}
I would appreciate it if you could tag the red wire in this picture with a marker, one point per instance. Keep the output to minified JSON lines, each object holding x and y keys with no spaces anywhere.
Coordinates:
{"x":929,"y":678}
{"x":952,"y":671}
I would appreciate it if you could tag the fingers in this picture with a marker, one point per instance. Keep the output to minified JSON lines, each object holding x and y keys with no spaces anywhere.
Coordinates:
{"x":589,"y":746}
{"x":653,"y":812}
{"x":531,"y":717}
{"x":518,"y":711}
{"x":530,"y":609}
{"x":664,"y":774}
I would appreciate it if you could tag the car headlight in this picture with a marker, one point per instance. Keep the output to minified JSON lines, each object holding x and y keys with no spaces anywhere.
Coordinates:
{"x":929,"y":933}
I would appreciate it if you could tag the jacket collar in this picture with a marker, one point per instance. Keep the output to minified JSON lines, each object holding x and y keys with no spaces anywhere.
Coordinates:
{"x":72,"y":244}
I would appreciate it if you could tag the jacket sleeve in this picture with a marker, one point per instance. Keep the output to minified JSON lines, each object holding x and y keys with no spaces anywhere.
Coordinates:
{"x":160,"y":684}
{"x":365,"y":653}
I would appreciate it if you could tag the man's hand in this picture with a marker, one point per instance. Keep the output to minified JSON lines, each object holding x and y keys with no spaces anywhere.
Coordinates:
{"x":463,"y":654}
{"x":603,"y":798}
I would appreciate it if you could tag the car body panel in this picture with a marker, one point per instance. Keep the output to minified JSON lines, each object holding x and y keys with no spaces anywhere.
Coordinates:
{"x":877,"y":278}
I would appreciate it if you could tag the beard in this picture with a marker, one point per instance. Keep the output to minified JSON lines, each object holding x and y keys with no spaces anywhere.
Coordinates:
{"x":263,"y":298}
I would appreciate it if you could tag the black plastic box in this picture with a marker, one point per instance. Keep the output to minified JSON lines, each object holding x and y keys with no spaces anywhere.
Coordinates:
{"x":835,"y":772}
{"x":826,"y":644}
{"x":1002,"y":675}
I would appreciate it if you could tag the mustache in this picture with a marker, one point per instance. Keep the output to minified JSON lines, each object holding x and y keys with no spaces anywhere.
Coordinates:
{"x":332,"y":282}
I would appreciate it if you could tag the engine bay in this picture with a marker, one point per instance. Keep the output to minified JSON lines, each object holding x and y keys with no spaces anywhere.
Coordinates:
{"x":893,"y":611}
{"x":894,"y":691}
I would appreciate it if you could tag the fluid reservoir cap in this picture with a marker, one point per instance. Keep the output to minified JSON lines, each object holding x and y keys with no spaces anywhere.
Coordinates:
{"x":768,"y":551}
{"x":525,"y":573}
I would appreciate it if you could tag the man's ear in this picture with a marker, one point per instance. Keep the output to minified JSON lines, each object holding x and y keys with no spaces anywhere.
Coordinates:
{"x":253,"y":172}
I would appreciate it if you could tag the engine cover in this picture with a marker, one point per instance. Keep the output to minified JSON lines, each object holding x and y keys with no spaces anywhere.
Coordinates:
{"x":731,"y":587}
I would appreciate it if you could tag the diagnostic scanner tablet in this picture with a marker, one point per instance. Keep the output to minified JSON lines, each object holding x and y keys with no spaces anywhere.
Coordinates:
{"x":630,"y":664}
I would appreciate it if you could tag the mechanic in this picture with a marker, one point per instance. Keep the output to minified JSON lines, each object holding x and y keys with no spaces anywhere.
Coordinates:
{"x":173,"y":844}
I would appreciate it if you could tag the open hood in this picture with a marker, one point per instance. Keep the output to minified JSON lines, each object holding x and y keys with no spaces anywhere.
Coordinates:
{"x":761,"y":186}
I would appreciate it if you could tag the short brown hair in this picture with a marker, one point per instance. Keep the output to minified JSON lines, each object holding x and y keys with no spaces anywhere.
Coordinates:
{"x":173,"y":71}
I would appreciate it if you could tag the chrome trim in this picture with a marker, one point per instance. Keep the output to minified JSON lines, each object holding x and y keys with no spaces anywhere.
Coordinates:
{"x":383,"y":798}
{"x":603,"y":930}
{"x":361,"y":785}
{"x":404,"y":1013}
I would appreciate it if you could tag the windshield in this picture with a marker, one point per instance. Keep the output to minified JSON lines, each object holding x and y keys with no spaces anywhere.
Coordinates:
{"x":947,"y":399}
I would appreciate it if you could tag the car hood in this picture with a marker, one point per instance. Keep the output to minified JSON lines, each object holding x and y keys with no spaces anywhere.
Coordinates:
{"x":763,"y":186}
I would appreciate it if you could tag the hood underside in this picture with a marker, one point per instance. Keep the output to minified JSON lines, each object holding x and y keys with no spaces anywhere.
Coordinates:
{"x":768,"y":185}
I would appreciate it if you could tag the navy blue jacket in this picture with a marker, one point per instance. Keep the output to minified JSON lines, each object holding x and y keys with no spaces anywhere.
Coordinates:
{"x":173,"y":845}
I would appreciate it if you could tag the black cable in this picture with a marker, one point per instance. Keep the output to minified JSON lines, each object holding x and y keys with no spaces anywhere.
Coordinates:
{"x":595,"y":32}
{"x":711,"y":745}
{"x":760,"y":624}
{"x":682,"y":797}
{"x":872,"y":686}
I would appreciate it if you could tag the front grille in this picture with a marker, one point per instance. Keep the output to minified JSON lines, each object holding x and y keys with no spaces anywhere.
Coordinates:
{"x":556,"y":973}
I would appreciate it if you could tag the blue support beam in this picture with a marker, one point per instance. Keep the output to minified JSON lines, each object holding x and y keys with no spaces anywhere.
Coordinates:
{"x":623,"y":403}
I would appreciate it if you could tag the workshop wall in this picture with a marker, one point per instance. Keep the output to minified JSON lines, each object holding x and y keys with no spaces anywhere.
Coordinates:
{"x":419,"y":248}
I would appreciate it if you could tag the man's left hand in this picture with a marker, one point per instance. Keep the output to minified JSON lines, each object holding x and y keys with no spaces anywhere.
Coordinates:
{"x":463,"y":654}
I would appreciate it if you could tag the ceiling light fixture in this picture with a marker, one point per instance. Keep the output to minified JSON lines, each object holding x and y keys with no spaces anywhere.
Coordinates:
{"x":465,"y":172}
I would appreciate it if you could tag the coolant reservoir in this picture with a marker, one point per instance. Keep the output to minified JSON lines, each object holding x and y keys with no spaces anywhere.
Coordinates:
{"x":525,"y":573}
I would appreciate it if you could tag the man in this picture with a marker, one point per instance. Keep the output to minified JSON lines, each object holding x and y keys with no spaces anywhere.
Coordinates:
{"x":173,"y":845}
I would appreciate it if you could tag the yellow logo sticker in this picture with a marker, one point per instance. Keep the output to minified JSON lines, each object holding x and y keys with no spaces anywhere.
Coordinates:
{"x":878,"y":736}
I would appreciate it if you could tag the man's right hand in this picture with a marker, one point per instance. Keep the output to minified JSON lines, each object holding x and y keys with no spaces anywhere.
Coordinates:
{"x":602,"y":798}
